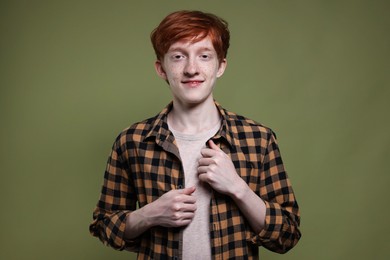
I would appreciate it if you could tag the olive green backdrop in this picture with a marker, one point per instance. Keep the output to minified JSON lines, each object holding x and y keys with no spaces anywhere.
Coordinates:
{"x":73,"y":74}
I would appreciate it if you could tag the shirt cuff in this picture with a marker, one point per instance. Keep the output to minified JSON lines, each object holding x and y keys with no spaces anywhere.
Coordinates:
{"x":272,"y":226}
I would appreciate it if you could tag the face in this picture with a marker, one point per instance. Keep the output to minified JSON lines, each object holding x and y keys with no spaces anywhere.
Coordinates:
{"x":191,"y":70}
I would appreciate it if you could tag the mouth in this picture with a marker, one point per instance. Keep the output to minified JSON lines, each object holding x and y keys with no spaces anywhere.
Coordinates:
{"x":192,"y":83}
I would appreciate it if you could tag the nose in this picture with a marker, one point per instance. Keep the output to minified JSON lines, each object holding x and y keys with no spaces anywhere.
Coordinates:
{"x":191,"y":68}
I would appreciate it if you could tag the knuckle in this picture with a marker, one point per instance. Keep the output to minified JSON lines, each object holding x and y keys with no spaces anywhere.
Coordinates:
{"x":176,"y":199}
{"x":175,"y":207}
{"x":176,"y":216}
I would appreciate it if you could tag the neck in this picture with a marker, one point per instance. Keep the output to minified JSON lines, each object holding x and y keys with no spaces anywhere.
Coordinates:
{"x":191,"y":119}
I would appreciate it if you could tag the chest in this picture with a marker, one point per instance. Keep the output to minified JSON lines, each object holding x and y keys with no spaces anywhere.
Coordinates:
{"x":157,"y":170}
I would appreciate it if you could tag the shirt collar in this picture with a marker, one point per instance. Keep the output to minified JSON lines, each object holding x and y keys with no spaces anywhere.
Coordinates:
{"x":159,"y":127}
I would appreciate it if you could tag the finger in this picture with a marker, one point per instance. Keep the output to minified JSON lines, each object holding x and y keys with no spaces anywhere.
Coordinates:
{"x":202,"y":169}
{"x":182,"y":222}
{"x":187,"y":191}
{"x":184,"y":219}
{"x":189,"y":199}
{"x":187,"y":215}
{"x":204,"y":177}
{"x":213,"y":146}
{"x":184,"y":207}
{"x":189,"y":207}
{"x":205,"y":161}
{"x":207,"y":152}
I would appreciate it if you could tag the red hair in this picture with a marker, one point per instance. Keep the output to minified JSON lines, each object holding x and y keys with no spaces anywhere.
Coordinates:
{"x":191,"y":26}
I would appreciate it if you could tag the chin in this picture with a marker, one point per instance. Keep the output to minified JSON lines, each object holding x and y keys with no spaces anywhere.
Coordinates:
{"x":193,"y":98}
{"x":195,"y":102}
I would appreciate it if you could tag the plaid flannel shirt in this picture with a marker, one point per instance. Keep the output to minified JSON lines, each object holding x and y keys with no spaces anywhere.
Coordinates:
{"x":145,"y":163}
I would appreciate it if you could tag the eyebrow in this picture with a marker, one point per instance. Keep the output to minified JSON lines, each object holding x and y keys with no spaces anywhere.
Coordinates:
{"x":180,"y":49}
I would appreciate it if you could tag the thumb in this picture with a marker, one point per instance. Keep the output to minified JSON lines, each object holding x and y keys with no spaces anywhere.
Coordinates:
{"x":213,"y":145}
{"x":187,"y":191}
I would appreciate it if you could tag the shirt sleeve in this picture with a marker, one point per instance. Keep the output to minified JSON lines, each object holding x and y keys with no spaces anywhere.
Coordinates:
{"x":281,"y":231}
{"x":117,"y":200}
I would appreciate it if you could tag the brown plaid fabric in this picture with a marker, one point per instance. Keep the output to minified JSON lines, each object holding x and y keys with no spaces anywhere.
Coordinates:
{"x":145,"y":163}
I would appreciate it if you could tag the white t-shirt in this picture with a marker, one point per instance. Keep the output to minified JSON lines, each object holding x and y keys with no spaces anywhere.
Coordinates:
{"x":196,"y":236}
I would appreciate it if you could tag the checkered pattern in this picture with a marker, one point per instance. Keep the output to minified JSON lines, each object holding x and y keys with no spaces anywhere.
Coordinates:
{"x":145,"y":163}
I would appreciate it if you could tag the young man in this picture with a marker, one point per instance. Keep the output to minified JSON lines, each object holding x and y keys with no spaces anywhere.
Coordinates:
{"x":208,"y":183}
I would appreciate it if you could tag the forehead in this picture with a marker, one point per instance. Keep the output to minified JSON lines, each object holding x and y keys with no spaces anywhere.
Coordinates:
{"x":192,"y":45}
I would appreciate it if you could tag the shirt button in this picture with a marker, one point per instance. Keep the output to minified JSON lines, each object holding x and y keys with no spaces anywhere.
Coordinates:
{"x":180,"y":187}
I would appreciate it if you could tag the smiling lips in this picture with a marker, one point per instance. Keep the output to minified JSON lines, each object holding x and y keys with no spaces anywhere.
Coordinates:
{"x":192,"y":83}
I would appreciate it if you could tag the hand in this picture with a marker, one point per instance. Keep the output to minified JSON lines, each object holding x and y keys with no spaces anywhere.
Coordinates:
{"x":217,"y":169}
{"x":175,"y":208}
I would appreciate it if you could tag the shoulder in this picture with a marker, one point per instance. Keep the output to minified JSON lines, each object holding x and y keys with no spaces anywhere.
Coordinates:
{"x":244,"y":127}
{"x":136,"y":132}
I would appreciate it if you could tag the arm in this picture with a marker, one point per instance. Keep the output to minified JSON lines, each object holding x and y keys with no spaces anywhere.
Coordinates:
{"x":281,"y":231}
{"x":273,"y":215}
{"x":117,"y":199}
{"x":117,"y":222}
{"x":217,"y":169}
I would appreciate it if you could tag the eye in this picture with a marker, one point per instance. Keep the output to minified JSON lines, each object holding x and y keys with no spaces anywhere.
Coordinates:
{"x":178,"y":57}
{"x":205,"y":56}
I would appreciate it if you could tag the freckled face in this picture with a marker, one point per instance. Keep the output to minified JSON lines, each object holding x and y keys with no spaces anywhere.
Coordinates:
{"x":191,"y":70}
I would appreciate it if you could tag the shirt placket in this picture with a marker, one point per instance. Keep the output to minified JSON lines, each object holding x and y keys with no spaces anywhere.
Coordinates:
{"x":216,"y":241}
{"x":167,"y":142}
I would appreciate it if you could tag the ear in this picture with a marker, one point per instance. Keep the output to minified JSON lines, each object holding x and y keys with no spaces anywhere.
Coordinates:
{"x":222,"y":67}
{"x":160,"y":70}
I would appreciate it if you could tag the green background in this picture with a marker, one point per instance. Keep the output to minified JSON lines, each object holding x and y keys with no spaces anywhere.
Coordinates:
{"x":73,"y":74}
